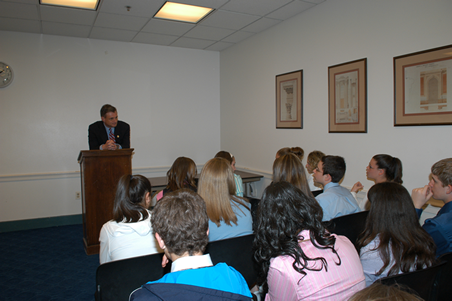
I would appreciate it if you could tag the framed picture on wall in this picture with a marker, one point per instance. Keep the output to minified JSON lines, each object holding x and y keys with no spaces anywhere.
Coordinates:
{"x":289,"y":100}
{"x":421,"y":82}
{"x":347,"y":97}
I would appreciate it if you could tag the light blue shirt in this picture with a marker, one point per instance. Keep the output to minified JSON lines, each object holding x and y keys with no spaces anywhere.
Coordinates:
{"x":336,"y":201}
{"x":244,"y":225}
{"x":238,"y":185}
{"x":219,"y":277}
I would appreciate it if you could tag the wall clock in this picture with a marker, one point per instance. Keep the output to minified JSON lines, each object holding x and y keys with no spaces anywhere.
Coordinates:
{"x":6,"y":75}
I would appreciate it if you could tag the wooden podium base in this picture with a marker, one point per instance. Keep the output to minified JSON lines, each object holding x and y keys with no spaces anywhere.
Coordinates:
{"x":91,"y":250}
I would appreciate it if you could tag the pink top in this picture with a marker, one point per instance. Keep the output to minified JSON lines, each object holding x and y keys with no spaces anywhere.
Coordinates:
{"x":339,"y":283}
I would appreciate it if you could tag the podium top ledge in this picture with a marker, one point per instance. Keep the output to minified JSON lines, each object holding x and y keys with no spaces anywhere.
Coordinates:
{"x":104,"y":153}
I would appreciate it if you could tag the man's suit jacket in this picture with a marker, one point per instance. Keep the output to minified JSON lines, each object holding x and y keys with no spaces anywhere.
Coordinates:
{"x":97,"y":135}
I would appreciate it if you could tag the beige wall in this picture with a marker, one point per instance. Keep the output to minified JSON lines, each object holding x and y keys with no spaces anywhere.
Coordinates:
{"x":331,"y":33}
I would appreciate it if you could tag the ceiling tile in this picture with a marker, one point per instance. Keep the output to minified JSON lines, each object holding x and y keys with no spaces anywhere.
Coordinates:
{"x":120,"y":21}
{"x":146,"y":8}
{"x":261,"y":25}
{"x":230,"y":20}
{"x":18,"y":10}
{"x":62,"y":29}
{"x":254,"y":7}
{"x":10,"y":24}
{"x":23,"y":1}
{"x":290,"y":10}
{"x":112,"y":34}
{"x":238,"y":36}
{"x":192,"y":43}
{"x":67,"y":15}
{"x":218,"y":46}
{"x":167,"y":27}
{"x":208,"y":33}
{"x":314,"y":1}
{"x":153,"y":38}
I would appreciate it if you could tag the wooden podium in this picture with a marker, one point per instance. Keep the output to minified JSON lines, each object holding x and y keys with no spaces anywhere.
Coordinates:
{"x":100,"y":172}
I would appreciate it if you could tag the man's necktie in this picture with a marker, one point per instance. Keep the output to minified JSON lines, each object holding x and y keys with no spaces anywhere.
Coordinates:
{"x":111,"y":136}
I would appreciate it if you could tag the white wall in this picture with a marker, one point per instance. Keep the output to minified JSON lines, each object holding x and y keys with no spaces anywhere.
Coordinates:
{"x":169,"y":96}
{"x":331,"y":33}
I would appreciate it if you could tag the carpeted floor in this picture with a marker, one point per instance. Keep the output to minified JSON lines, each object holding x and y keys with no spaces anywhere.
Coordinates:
{"x":46,"y":264}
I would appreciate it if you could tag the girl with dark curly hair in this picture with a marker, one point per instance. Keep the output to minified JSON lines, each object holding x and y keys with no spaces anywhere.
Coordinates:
{"x":299,"y":259}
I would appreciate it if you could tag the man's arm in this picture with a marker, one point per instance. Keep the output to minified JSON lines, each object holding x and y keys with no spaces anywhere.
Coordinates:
{"x":123,"y":131}
{"x":93,"y":138}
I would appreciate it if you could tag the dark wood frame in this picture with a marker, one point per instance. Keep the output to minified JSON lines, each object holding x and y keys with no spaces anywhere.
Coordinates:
{"x":359,"y":126}
{"x":408,"y":71}
{"x":297,"y":123}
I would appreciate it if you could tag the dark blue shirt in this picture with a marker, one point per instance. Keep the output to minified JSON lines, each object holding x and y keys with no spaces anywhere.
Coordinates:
{"x":440,"y":228}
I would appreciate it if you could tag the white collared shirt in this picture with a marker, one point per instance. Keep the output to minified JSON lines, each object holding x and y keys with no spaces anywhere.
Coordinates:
{"x":191,"y":262}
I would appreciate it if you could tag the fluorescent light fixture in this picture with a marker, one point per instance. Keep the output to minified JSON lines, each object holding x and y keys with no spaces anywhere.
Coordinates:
{"x":85,"y":4}
{"x":182,"y":12}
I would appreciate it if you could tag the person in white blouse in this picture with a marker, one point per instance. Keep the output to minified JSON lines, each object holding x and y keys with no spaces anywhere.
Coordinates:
{"x":393,"y":241}
{"x":130,"y":233}
{"x":381,"y":168}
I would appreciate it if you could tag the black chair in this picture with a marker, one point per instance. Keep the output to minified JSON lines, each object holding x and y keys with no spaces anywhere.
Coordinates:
{"x":424,"y":282}
{"x":254,"y":205}
{"x":115,"y":280}
{"x":236,"y":252}
{"x":350,"y":225}
{"x":316,"y":192}
{"x":444,"y":277}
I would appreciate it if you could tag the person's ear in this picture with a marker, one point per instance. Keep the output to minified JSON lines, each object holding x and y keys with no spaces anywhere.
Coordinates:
{"x":448,"y":189}
{"x":147,"y":198}
{"x":207,"y":231}
{"x":160,"y":241}
{"x":327,"y":177}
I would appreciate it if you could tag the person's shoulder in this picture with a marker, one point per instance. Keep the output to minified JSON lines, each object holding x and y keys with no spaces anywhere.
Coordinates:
{"x":123,"y":123}
{"x":96,"y":124}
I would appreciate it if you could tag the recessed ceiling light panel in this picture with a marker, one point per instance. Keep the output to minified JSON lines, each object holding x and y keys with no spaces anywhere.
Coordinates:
{"x":182,"y":12}
{"x":85,"y":4}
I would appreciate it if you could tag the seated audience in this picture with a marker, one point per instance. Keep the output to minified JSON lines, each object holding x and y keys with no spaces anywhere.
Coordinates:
{"x":237,"y":178}
{"x":297,"y":151}
{"x":335,"y":199}
{"x":440,"y":188}
{"x":381,"y":292}
{"x":181,"y":227}
{"x":393,"y":241}
{"x":290,"y":169}
{"x":282,"y":151}
{"x":298,"y":257}
{"x":181,"y":175}
{"x":229,"y":215}
{"x":129,"y":234}
{"x":313,"y":160}
{"x":381,"y":168}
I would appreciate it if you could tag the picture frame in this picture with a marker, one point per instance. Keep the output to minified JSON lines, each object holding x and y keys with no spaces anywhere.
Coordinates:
{"x":420,"y":87}
{"x":289,"y":100}
{"x":347,"y":97}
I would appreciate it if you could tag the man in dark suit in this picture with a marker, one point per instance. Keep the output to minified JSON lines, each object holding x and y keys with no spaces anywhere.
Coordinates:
{"x":110,"y":133}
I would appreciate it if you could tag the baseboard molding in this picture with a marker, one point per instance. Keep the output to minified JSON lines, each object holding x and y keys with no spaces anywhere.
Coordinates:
{"x":38,"y":223}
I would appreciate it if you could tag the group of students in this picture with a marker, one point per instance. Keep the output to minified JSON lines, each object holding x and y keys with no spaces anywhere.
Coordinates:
{"x":298,"y":258}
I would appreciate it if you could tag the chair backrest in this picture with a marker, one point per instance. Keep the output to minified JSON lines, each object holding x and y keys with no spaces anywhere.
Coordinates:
{"x":236,"y":252}
{"x":115,"y":280}
{"x":254,"y":206}
{"x":424,"y":282}
{"x":444,"y":278}
{"x":316,"y":192}
{"x":350,"y":225}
